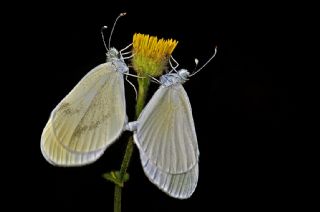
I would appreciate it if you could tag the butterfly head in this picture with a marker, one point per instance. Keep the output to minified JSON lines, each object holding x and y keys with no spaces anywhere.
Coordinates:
{"x":113,"y":54}
{"x":116,"y":59}
{"x":183,"y":74}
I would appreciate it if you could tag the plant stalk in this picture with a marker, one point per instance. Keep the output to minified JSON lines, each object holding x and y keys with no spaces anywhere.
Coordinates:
{"x":143,"y":84}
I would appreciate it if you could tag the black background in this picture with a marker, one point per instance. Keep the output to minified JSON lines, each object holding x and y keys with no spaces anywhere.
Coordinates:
{"x":243,"y":102}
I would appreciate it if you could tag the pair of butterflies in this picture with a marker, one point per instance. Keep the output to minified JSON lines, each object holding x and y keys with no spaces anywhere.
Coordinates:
{"x":93,"y":115}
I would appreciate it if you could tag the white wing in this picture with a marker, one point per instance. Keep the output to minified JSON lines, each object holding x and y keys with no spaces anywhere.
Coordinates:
{"x":179,"y":186}
{"x":90,"y":118}
{"x":93,"y":114}
{"x":56,"y":154}
{"x":166,"y":132}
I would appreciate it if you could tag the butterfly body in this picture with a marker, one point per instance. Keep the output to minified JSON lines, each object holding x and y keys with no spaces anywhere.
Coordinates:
{"x":174,"y":78}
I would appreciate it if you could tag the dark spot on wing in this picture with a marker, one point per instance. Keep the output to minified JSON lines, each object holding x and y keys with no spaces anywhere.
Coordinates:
{"x":65,"y":109}
{"x":85,"y":128}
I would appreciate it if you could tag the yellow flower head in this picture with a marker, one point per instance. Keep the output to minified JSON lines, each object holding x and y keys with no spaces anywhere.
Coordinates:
{"x":150,"y":54}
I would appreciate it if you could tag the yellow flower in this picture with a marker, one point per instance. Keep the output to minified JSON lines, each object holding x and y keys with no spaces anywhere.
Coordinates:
{"x":150,"y":54}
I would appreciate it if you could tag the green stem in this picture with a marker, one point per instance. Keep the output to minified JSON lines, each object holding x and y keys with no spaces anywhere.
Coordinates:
{"x":142,"y":93}
{"x":117,"y":199}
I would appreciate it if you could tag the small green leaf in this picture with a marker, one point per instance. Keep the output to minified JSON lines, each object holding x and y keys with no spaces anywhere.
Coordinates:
{"x":114,"y":176}
{"x":126,"y":177}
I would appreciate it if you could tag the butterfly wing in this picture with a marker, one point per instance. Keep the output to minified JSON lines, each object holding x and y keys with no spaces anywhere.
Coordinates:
{"x":179,"y":186}
{"x":167,"y":142}
{"x":57,"y":155}
{"x":91,"y":116}
{"x":166,"y":131}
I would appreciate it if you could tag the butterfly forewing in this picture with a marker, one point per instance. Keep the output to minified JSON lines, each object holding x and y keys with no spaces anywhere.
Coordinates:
{"x":166,"y":132}
{"x":93,"y":114}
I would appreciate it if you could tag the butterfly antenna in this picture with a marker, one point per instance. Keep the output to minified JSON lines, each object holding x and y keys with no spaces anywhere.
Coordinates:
{"x":214,"y":54}
{"x":196,"y":61}
{"x":115,"y":22}
{"x":102,"y":34}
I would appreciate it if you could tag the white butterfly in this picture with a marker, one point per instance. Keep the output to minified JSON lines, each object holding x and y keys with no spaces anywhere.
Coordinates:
{"x":91,"y":117}
{"x":166,"y":137}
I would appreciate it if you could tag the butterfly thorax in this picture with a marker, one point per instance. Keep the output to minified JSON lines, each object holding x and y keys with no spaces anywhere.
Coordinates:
{"x":117,"y":61}
{"x":174,"y":78}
